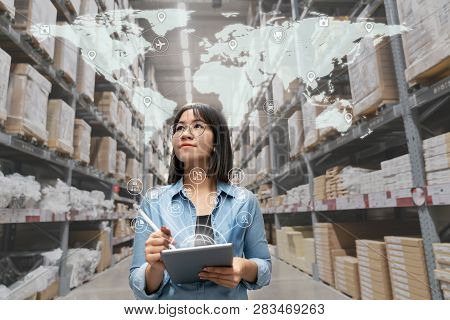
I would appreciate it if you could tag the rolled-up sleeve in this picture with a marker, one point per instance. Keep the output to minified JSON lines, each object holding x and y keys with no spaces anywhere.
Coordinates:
{"x":256,"y":247}
{"x":139,"y":264}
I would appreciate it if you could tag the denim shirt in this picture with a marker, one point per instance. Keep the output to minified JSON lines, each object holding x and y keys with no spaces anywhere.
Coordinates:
{"x":236,"y":218}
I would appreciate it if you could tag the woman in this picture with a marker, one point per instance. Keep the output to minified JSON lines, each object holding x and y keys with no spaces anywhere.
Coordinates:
{"x":201,"y":207}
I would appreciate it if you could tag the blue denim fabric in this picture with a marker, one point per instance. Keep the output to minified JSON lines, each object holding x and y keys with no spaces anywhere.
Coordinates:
{"x":236,"y":218}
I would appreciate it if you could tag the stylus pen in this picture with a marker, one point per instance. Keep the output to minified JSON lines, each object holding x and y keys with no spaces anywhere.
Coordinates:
{"x":152,"y":225}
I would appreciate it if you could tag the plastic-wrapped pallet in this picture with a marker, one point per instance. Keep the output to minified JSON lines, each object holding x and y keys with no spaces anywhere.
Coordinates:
{"x":27,"y":102}
{"x":29,"y":14}
{"x":132,"y":170}
{"x":103,"y":154}
{"x":407,"y":267}
{"x":121,"y":160}
{"x":60,"y":125}
{"x":373,"y":270}
{"x":347,"y":276}
{"x":82,"y":141}
{"x":107,"y":103}
{"x":397,"y":173}
{"x":83,"y":262}
{"x":85,"y":79}
{"x":127,"y":125}
{"x":296,"y":137}
{"x":372,"y":77}
{"x":5,"y":64}
{"x":351,"y":179}
{"x":442,"y":272}
{"x":19,"y":191}
{"x":426,"y":45}
{"x":66,"y":54}
{"x":310,"y":111}
{"x":8,"y":6}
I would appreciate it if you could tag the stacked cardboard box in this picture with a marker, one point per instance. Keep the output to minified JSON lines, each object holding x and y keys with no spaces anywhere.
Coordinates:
{"x":442,"y":272}
{"x":370,"y":89}
{"x":103,"y":154}
{"x":8,"y":6}
{"x":347,"y":276}
{"x":132,"y":170}
{"x":66,"y":54}
{"x":31,"y":13}
{"x":407,"y":268}
{"x":60,"y":125}
{"x":121,"y":161}
{"x":425,"y":49}
{"x":128,"y":131}
{"x":310,"y":111}
{"x":82,"y":141}
{"x":148,"y":180}
{"x":320,"y":188}
{"x":296,"y":246}
{"x":310,"y":254}
{"x":107,"y":103}
{"x":373,"y":270}
{"x":397,"y":173}
{"x":333,"y":187}
{"x":5,"y":64}
{"x":283,"y":243}
{"x":122,"y":229}
{"x":121,"y":125}
{"x":372,"y":182}
{"x":27,"y":102}
{"x":296,"y":137}
{"x":437,"y":159}
{"x":338,"y":239}
{"x":85,"y":79}
{"x":263,"y":163}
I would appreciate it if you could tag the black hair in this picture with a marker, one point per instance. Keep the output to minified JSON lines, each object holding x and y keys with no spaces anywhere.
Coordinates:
{"x":221,"y":160}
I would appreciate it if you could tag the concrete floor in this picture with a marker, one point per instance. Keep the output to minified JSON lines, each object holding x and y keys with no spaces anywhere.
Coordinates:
{"x":287,"y":283}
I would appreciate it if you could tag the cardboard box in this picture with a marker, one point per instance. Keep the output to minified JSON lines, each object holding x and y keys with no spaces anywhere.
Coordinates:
{"x":66,"y":54}
{"x":107,"y":103}
{"x":132,"y":170}
{"x":29,"y":14}
{"x":103,"y":154}
{"x":50,"y":292}
{"x":372,"y":77}
{"x":121,"y":161}
{"x":425,"y":48}
{"x":60,"y":125}
{"x":5,"y":65}
{"x":27,"y":102}
{"x":85,"y":79}
{"x":82,"y":141}
{"x":310,"y":111}
{"x":296,"y":136}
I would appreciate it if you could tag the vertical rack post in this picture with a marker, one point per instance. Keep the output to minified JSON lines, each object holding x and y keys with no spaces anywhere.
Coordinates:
{"x":414,"y":142}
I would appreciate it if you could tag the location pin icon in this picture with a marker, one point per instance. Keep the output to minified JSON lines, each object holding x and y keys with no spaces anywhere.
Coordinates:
{"x":348,"y":117}
{"x":161,"y":16}
{"x":92,"y":54}
{"x":311,"y":76}
{"x":369,"y":26}
{"x":232,"y":44}
{"x":147,"y":101}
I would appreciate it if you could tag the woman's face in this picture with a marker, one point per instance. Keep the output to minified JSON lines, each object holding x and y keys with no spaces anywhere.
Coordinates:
{"x":192,"y":140}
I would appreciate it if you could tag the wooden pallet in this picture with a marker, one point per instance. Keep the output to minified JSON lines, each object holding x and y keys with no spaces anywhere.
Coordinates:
{"x":434,"y":74}
{"x":373,"y":111}
{"x":26,"y":135}
{"x":37,"y":46}
{"x":60,"y":148}
{"x":66,"y":77}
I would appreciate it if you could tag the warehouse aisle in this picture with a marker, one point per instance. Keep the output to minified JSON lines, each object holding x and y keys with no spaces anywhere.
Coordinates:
{"x":287,"y":282}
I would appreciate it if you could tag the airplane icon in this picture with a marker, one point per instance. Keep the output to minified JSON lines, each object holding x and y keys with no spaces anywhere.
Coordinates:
{"x":161,"y":44}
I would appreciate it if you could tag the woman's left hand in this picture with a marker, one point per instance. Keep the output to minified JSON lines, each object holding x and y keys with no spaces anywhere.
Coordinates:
{"x":225,"y":276}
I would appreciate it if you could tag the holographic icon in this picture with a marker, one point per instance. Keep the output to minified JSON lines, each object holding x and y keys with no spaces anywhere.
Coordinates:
{"x":161,"y":44}
{"x":44,"y":29}
{"x":270,"y":107}
{"x":236,"y":176}
{"x":162,"y":16}
{"x":152,"y":194}
{"x":147,"y":101}
{"x":278,"y":34}
{"x":197,"y":175}
{"x":311,"y":76}
{"x":92,"y":54}
{"x":323,"y":21}
{"x":177,"y":208}
{"x":212,"y":200}
{"x":233,"y":44}
{"x":139,"y":225}
{"x":134,"y":187}
{"x":369,"y":27}
{"x":348,"y":117}
{"x":241,"y":195}
{"x":244,"y":219}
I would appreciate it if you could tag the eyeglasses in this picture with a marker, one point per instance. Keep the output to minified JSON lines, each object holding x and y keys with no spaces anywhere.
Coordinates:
{"x":196,"y":129}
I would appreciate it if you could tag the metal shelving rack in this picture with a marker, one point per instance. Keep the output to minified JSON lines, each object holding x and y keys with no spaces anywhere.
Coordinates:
{"x":397,"y":126}
{"x":71,"y":172}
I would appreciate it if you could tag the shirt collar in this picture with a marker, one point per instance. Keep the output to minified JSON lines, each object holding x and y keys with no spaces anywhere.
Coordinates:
{"x":224,"y":187}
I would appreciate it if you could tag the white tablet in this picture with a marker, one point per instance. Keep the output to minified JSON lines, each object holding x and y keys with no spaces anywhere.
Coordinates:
{"x":184,"y":265}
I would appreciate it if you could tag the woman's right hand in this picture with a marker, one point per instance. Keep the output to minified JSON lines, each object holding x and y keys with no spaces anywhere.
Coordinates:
{"x":157,"y":242}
